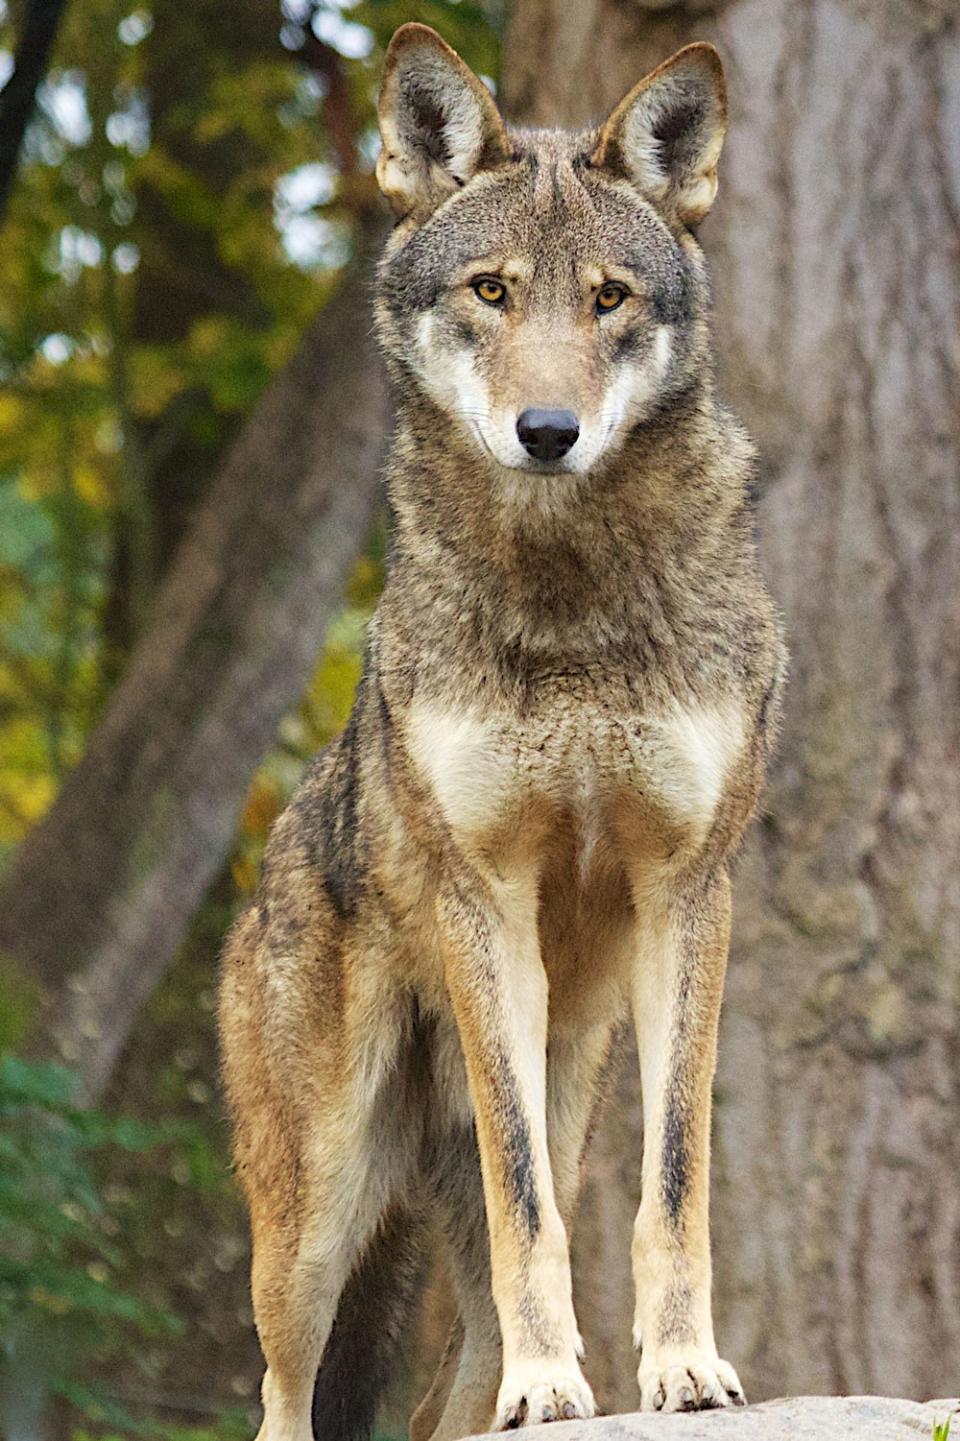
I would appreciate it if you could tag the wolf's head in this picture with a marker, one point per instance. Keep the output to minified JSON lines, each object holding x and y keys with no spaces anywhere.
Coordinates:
{"x":545,"y":288}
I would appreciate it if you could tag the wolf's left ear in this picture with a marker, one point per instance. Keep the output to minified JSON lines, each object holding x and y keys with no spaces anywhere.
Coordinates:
{"x":667,"y":134}
{"x":438,"y":122}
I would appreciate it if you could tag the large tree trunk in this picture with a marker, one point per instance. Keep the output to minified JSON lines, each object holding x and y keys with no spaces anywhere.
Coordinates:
{"x":103,"y":889}
{"x":834,"y":247}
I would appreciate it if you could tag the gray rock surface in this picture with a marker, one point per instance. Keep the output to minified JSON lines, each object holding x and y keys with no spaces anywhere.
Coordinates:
{"x":800,"y":1418}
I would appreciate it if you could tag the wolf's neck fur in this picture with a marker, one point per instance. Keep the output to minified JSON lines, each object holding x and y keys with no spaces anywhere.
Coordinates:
{"x":623,"y":566}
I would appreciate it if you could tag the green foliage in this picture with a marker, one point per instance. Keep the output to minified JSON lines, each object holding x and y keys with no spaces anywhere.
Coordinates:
{"x":19,"y":999}
{"x":941,"y":1430}
{"x":57,"y":1254}
{"x":106,"y":1421}
{"x":182,"y":1218}
{"x":67,"y":1309}
{"x":60,"y":1246}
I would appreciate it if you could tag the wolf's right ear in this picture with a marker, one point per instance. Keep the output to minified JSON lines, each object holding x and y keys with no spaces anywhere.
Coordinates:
{"x":438,"y":123}
{"x":667,"y":134}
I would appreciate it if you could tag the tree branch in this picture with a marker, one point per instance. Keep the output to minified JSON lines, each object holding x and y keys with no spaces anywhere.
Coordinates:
{"x":18,"y":95}
{"x":103,"y":889}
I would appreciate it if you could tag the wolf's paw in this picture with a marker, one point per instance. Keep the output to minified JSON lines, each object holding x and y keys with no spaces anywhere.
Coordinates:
{"x":539,"y":1391}
{"x":698,"y":1382}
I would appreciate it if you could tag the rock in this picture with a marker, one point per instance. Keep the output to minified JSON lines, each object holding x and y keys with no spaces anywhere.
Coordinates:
{"x":800,"y":1418}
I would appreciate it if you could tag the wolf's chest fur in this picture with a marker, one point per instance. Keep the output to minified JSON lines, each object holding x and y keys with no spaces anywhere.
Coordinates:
{"x":609,"y":775}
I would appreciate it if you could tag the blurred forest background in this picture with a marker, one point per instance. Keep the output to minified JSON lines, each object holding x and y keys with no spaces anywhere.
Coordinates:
{"x":191,"y":543}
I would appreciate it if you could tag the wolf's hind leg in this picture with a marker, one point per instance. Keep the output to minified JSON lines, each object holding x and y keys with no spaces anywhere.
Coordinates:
{"x":321,"y":1169}
{"x":426,"y":1417}
{"x":462,"y":1400}
{"x":303,"y":1256}
{"x":579,"y":1066}
{"x":296,"y":1288}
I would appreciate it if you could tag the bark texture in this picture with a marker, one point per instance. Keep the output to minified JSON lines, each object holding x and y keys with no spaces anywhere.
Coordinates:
{"x":103,"y":889}
{"x":835,"y":248}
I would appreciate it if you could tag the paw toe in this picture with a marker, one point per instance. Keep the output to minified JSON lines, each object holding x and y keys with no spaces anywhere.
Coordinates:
{"x":703,"y":1384}
{"x":541,"y":1402}
{"x":730,"y":1382}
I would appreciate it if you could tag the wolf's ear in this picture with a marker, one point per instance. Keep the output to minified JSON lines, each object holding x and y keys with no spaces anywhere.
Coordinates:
{"x":667,"y":134}
{"x":438,"y":122}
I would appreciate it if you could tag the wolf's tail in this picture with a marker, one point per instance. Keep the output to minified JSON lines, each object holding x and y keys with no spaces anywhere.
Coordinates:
{"x":371,"y":1325}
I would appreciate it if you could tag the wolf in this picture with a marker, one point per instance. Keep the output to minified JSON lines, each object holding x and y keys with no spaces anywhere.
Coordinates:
{"x":522,"y":836}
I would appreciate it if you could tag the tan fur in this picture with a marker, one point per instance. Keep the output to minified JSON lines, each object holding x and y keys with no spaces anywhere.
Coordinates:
{"x":522,"y":835}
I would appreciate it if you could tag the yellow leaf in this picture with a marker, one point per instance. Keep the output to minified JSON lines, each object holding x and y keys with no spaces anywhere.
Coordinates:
{"x":244,"y":870}
{"x":261,"y":809}
{"x":91,"y":486}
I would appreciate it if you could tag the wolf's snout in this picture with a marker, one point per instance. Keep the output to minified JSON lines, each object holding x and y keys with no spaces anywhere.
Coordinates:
{"x":548,"y":434}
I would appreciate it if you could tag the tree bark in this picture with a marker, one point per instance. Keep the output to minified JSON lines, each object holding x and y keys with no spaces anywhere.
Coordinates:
{"x":103,"y":889}
{"x":835,"y":249}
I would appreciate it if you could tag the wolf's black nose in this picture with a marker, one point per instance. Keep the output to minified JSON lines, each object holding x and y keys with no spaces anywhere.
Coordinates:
{"x":547,"y":434}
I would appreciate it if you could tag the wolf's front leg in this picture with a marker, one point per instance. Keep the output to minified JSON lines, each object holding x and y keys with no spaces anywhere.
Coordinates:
{"x":498,"y":989}
{"x":677,"y":989}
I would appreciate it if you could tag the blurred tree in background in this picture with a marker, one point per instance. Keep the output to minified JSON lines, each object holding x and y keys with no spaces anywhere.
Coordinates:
{"x":192,"y":185}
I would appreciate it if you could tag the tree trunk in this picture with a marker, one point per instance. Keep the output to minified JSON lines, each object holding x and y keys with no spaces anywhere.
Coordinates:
{"x":103,"y":889}
{"x":835,"y":249}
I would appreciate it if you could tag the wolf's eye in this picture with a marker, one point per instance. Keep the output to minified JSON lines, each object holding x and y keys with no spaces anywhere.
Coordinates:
{"x":609,"y":296}
{"x":491,"y":292}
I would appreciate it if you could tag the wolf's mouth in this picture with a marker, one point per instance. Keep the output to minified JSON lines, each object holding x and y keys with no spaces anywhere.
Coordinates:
{"x":542,"y":467}
{"x":526,"y":467}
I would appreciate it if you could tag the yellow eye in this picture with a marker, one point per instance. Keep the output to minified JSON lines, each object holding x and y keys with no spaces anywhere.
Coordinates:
{"x":491,"y":292}
{"x":609,"y":296}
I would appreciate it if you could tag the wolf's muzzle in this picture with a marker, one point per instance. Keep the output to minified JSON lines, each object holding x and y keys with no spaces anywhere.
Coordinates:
{"x":548,"y":434}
